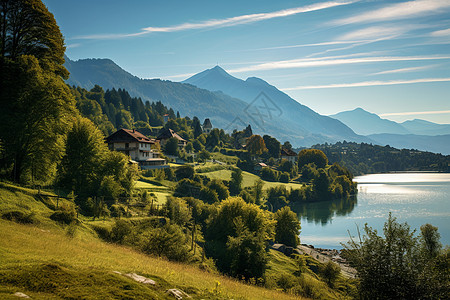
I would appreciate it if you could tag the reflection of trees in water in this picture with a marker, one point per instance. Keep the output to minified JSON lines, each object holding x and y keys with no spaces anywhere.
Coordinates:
{"x":323,"y":211}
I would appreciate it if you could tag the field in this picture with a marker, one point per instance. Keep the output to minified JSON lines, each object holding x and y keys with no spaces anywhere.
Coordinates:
{"x":248,"y":179}
{"x":49,"y":261}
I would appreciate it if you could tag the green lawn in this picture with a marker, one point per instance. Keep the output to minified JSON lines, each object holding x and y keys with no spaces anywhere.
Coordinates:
{"x":248,"y":179}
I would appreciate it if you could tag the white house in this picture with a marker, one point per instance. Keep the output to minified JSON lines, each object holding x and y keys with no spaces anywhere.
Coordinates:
{"x":138,"y":147}
{"x":288,"y":155}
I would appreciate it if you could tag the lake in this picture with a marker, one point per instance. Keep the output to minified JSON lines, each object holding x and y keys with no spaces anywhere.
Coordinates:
{"x":415,"y":198}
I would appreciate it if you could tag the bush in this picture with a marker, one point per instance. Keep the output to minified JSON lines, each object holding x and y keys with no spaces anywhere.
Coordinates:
{"x":119,"y":231}
{"x":64,"y":215}
{"x":269,"y":174}
{"x":284,"y":177}
{"x":19,"y":217}
{"x":185,"y":171}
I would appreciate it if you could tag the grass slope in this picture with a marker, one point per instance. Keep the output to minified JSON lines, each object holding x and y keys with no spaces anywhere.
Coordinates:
{"x":45,"y":262}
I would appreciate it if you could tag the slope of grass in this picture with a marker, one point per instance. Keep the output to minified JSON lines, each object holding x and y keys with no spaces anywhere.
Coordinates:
{"x":45,"y":262}
{"x":248,"y":179}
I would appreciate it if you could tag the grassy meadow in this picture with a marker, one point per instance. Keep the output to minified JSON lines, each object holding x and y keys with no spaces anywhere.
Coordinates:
{"x":46,"y":260}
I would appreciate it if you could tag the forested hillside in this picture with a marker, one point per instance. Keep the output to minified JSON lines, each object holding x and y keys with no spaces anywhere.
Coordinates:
{"x":367,"y":158}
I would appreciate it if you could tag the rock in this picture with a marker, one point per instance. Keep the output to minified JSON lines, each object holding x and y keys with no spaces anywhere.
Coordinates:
{"x":178,"y":294}
{"x":21,"y":295}
{"x":141,"y":279}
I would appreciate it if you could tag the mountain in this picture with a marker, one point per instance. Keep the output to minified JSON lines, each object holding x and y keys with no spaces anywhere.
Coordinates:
{"x":436,"y":144}
{"x":268,"y":112}
{"x":365,"y":123}
{"x":268,"y":105}
{"x":423,"y":127}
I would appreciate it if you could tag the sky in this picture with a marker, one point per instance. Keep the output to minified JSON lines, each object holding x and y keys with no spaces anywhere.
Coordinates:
{"x":391,"y":58}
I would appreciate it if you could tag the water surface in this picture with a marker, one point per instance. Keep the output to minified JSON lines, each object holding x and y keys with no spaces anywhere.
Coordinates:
{"x":416,"y":198}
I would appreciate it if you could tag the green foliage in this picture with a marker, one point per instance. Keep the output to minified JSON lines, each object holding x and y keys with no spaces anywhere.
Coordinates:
{"x":185,"y":171}
{"x":187,"y":188}
{"x":287,"y":228}
{"x":177,"y":211}
{"x":221,"y":190}
{"x":235,"y":185}
{"x":367,"y":158}
{"x":204,"y":155}
{"x":273,"y":146}
{"x":269,"y":174}
{"x":307,"y":156}
{"x":208,"y":195}
{"x":394,"y":267}
{"x":65,"y":215}
{"x":168,"y":241}
{"x":330,"y":272}
{"x":171,"y":146}
{"x":236,"y":236}
{"x":284,"y":177}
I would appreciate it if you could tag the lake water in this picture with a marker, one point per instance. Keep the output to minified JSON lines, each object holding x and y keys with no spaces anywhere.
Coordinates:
{"x":415,"y":198}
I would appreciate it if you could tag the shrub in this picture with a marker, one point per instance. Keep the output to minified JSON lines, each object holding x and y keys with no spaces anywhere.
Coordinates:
{"x":19,"y":217}
{"x":64,"y":215}
{"x":269,"y":174}
{"x":119,"y":231}
{"x":284,"y":177}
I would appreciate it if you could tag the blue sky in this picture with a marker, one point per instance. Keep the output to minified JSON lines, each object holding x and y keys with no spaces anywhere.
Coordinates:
{"x":391,"y":58}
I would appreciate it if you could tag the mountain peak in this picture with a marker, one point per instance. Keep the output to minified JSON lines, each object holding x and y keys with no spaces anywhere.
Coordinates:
{"x":210,"y":75}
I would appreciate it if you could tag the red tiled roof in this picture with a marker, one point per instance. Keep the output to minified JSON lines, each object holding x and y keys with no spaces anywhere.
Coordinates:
{"x":169,"y":133}
{"x":287,"y":152}
{"x":128,"y":135}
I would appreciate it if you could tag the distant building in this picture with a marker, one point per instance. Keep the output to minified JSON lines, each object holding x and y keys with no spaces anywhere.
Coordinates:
{"x":138,"y":147}
{"x":169,"y":133}
{"x":166,"y":118}
{"x":260,"y":166}
{"x":207,"y":126}
{"x":288,"y":155}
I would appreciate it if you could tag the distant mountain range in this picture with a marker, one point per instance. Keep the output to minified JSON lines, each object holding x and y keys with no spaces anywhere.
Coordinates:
{"x":206,"y":95}
{"x":366,"y":123}
{"x":231,"y":103}
{"x":414,"y":134}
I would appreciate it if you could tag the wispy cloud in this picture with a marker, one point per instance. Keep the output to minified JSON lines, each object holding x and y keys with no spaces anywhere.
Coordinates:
{"x":367,"y":83}
{"x":299,"y":46}
{"x":433,"y":112}
{"x":329,"y":61}
{"x":404,"y":10}
{"x":440,"y":33}
{"x":376,"y":32}
{"x":404,"y":70}
{"x":227,"y":22}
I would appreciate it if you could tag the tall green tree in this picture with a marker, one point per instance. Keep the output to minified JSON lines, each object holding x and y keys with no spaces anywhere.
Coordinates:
{"x":273,"y":146}
{"x":307,"y":156}
{"x":287,"y":228}
{"x":36,"y":103}
{"x":236,"y":182}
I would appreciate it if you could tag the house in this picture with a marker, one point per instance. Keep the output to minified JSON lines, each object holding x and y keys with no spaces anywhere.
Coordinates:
{"x":169,"y":133}
{"x":207,"y":126}
{"x":288,"y":155}
{"x":137,"y":146}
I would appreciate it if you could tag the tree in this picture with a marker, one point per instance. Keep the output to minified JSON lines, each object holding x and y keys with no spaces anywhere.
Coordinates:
{"x":255,"y":145}
{"x":28,"y":28}
{"x":36,"y":103}
{"x":171,"y":146}
{"x":258,"y":191}
{"x":197,"y":127}
{"x":287,"y":145}
{"x":204,"y":155}
{"x":330,"y":272}
{"x":430,"y":240}
{"x":82,"y":160}
{"x":236,"y":182}
{"x":394,"y":267}
{"x":221,"y":190}
{"x":287,"y":228}
{"x":315,"y":156}
{"x":185,"y":171}
{"x":208,"y":195}
{"x":273,"y":146}
{"x":236,"y":237}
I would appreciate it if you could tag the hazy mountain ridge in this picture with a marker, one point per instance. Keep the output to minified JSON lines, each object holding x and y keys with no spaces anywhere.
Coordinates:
{"x":294,"y":115}
{"x":220,"y":107}
{"x":367,"y":123}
